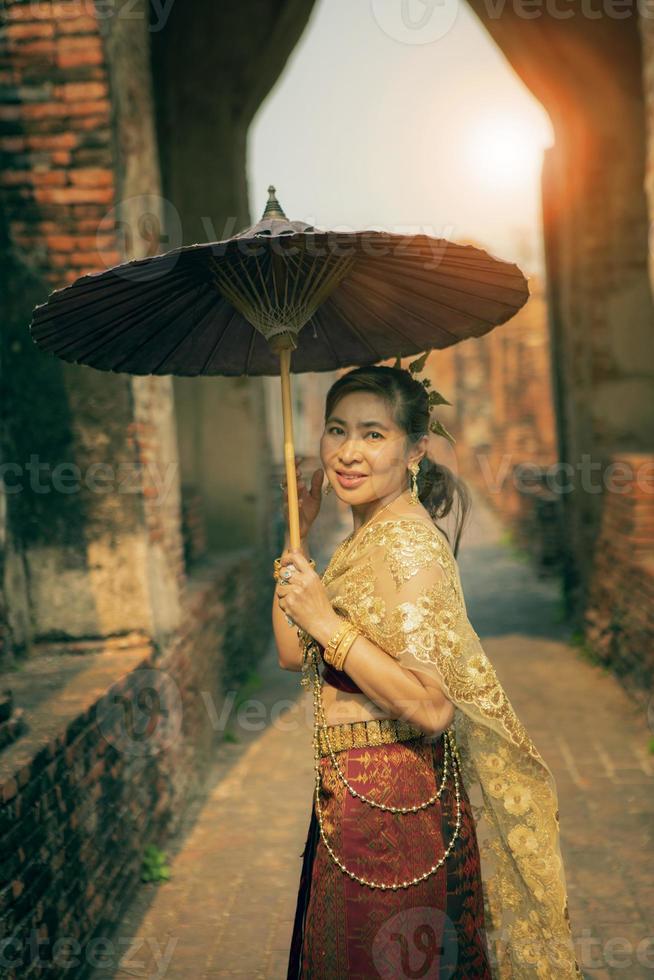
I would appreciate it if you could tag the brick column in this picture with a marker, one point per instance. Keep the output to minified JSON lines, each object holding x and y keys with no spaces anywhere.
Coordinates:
{"x":101,"y":554}
{"x":619,"y":621}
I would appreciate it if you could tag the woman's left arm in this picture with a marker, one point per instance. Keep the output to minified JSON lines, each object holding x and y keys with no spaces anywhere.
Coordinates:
{"x":398,"y":690}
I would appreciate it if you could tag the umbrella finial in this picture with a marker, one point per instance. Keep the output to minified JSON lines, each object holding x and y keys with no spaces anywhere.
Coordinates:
{"x":273,"y":208}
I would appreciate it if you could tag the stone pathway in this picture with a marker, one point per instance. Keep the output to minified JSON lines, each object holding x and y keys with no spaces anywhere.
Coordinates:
{"x":227,"y":910}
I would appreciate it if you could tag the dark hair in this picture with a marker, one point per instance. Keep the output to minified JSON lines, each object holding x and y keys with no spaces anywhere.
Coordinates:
{"x":438,"y":487}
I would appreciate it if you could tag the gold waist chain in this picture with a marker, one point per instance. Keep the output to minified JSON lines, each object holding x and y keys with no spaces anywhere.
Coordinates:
{"x":323,"y":746}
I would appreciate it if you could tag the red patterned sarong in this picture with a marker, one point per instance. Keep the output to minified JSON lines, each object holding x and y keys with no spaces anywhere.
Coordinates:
{"x":434,"y":929}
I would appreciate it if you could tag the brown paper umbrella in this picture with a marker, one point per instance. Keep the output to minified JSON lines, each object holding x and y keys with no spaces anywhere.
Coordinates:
{"x":280,"y":296}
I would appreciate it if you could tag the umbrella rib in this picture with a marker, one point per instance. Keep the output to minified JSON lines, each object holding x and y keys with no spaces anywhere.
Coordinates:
{"x":338,"y":272}
{"x":223,"y":272}
{"x":273,"y":279}
{"x":130,"y":324}
{"x":456,"y":289}
{"x":253,"y":337}
{"x":361,"y":336}
{"x":186,"y":336}
{"x":151,"y":336}
{"x":51,"y":311}
{"x":264,"y":284}
{"x":329,"y":277}
{"x":286,"y":281}
{"x":296,"y":265}
{"x":301,"y":279}
{"x":370,"y":312}
{"x":99,"y":280}
{"x":451,"y":267}
{"x":452,"y":262}
{"x":325,"y":332}
{"x":307,"y":278}
{"x":237,"y":297}
{"x":219,"y":340}
{"x":134,"y":350}
{"x":127,"y":324}
{"x":469,"y":316}
{"x":284,"y":304}
{"x":329,"y":272}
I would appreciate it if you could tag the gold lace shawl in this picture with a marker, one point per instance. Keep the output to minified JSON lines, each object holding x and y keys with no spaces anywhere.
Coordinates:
{"x":398,"y":582}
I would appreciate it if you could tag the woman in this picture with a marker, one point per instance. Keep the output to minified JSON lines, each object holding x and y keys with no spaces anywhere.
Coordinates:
{"x":433,"y":843}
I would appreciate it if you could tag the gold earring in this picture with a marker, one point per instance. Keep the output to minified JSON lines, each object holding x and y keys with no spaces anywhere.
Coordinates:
{"x":328,"y":488}
{"x":414,"y":483}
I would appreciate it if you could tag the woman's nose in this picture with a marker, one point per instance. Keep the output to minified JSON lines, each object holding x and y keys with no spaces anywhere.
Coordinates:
{"x":350,"y":460}
{"x":350,"y":454}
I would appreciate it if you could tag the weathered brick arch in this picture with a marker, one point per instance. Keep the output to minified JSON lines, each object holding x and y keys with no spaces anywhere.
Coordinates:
{"x":108,"y":113}
{"x":588,"y":74}
{"x":100,"y":109}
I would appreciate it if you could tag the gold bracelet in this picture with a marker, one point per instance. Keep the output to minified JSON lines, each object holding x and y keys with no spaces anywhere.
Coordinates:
{"x":343,"y":647}
{"x":330,"y":649}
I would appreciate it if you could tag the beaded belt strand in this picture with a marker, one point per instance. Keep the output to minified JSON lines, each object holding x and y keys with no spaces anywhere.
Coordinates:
{"x":449,"y":748}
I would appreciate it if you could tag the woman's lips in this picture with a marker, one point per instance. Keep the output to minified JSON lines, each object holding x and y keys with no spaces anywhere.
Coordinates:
{"x":350,"y":481}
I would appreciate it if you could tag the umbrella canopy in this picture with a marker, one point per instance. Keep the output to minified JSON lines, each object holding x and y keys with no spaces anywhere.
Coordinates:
{"x":280,"y":296}
{"x":358,"y":297}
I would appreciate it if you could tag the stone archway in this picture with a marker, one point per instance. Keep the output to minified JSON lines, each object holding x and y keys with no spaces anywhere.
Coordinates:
{"x":212,"y":65}
{"x":586,"y":67}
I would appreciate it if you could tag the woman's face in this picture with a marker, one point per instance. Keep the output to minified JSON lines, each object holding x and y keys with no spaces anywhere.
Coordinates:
{"x":360,"y":437}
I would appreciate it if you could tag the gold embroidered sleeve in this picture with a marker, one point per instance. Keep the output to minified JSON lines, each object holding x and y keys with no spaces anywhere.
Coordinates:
{"x":412,"y":594}
{"x":402,"y":592}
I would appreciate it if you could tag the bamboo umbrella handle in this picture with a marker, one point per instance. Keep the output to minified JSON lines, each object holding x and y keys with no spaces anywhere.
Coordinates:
{"x":289,"y":449}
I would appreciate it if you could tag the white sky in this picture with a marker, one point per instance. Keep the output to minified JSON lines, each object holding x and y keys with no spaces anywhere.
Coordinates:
{"x":369,"y":127}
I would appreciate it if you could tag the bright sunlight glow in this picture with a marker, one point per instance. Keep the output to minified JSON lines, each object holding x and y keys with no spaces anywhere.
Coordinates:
{"x":505,"y":152}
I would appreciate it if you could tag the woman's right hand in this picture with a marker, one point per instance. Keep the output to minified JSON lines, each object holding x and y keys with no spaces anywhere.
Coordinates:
{"x":309,"y":498}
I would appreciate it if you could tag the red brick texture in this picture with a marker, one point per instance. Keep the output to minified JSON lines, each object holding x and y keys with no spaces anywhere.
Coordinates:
{"x":620,"y":613}
{"x":57,"y":182}
{"x":502,"y":417}
{"x":121,"y":736}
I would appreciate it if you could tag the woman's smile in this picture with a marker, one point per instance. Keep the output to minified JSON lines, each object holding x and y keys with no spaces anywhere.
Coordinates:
{"x":348,"y":481}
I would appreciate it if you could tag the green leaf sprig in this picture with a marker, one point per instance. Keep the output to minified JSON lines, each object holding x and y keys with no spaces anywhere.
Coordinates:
{"x":435,"y":397}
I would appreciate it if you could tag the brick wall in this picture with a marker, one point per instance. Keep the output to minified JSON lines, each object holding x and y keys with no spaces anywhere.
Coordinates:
{"x":55,"y":135}
{"x":79,"y":800}
{"x":121,"y":735}
{"x":503,"y":420}
{"x":619,"y":619}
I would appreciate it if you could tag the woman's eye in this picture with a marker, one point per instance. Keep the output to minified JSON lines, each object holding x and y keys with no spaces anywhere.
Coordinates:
{"x":373,"y":432}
